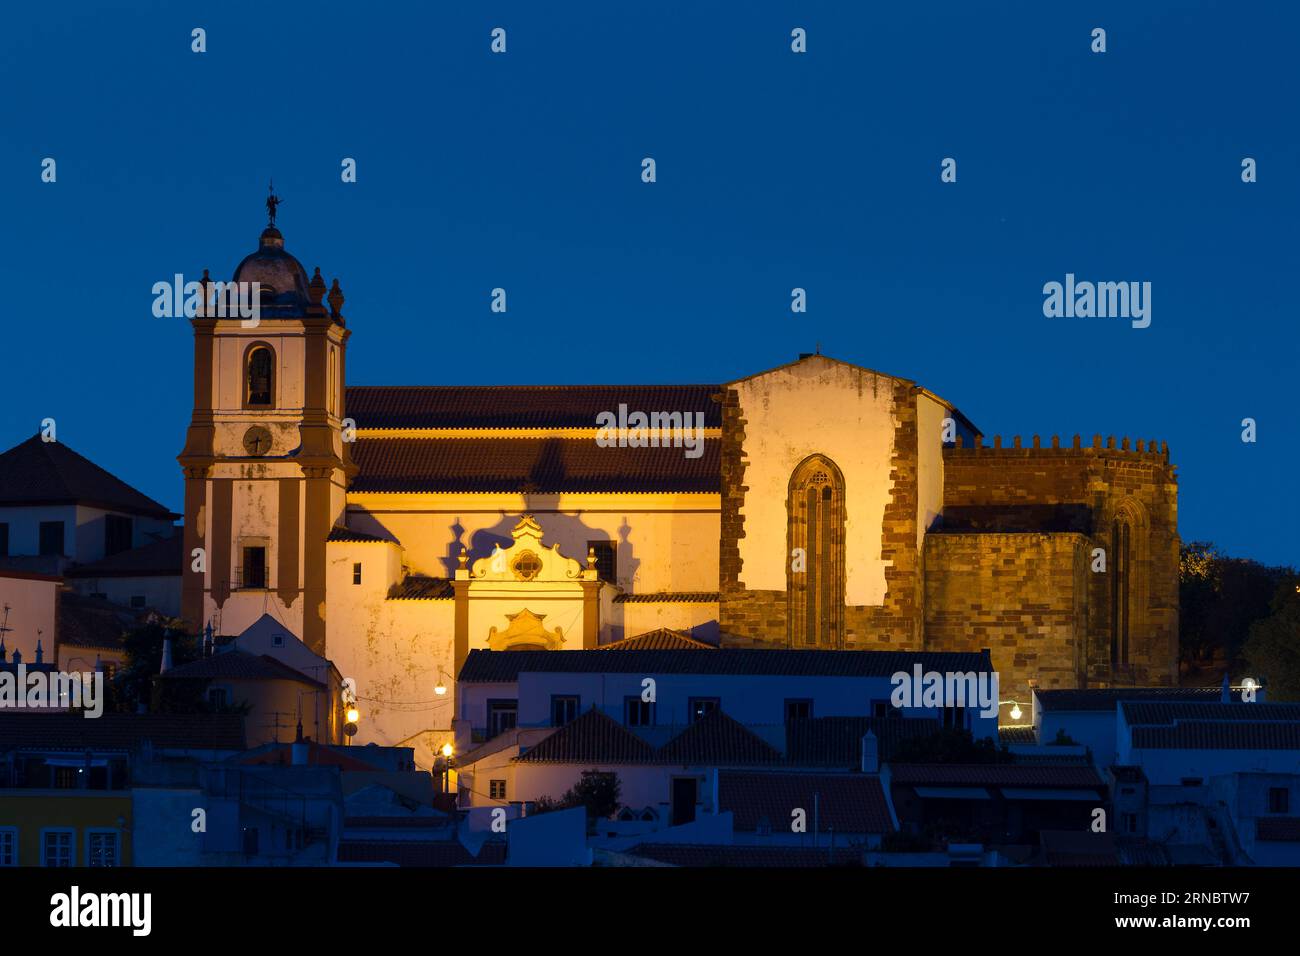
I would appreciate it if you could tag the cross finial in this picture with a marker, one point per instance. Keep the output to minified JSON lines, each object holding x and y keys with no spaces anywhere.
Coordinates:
{"x":272,"y":201}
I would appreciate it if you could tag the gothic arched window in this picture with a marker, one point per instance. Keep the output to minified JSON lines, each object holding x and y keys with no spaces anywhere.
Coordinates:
{"x":816,"y":540}
{"x":1128,"y":562}
{"x":259,"y":377}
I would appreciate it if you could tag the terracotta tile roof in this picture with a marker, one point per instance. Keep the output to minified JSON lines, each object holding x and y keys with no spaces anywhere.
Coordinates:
{"x":84,"y":621}
{"x":1108,"y":698}
{"x":1219,"y":735}
{"x":415,"y":587}
{"x":162,"y":557}
{"x":519,"y":406}
{"x":593,"y":737}
{"x":1017,"y":735}
{"x":354,"y":537}
{"x":402,"y":852}
{"x":484,"y":666}
{"x":1169,"y":713}
{"x":1278,"y":829}
{"x":837,"y":741}
{"x":749,"y":857}
{"x":39,"y":472}
{"x":238,"y":665}
{"x":670,"y":597}
{"x":995,"y":775}
{"x":537,"y":465}
{"x":848,"y":803}
{"x":660,"y":639}
{"x":717,"y":740}
{"x":111,"y":731}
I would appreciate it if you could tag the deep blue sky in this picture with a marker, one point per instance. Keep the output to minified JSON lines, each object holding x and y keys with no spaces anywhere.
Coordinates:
{"x":775,"y":170}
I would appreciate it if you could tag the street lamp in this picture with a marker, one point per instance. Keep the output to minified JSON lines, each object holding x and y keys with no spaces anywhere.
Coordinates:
{"x":441,"y":687}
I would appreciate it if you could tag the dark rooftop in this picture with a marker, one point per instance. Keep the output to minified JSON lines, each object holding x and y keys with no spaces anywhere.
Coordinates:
{"x":1107,"y":698}
{"x":38,"y":472}
{"x":238,"y":665}
{"x":113,"y":731}
{"x":160,"y":557}
{"x":846,"y":803}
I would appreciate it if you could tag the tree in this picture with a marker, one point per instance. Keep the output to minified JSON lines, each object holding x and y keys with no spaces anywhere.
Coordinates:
{"x":134,"y":683}
{"x":1220,"y":599}
{"x":596,"y":790}
{"x":1273,"y":650}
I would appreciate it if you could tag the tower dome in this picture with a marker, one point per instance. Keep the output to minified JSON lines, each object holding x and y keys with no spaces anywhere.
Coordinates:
{"x":282,"y":278}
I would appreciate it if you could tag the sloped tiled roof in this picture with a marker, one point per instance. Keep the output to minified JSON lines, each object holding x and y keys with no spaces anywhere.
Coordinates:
{"x":847,"y":803}
{"x":593,"y":737}
{"x":748,"y":857}
{"x":354,"y":537}
{"x":837,"y":741}
{"x":1107,"y":698}
{"x":484,"y":666}
{"x":163,"y":557}
{"x":84,"y":621}
{"x":37,"y":472}
{"x":660,"y":639}
{"x":1020,"y":734}
{"x":670,"y":597}
{"x":238,"y":665}
{"x":415,"y":587}
{"x":1167,"y":713}
{"x":718,"y":740}
{"x":519,"y":406}
{"x":112,"y":731}
{"x":535,"y":465}
{"x":995,"y":775}
{"x":1278,"y":829}
{"x":1219,"y":735}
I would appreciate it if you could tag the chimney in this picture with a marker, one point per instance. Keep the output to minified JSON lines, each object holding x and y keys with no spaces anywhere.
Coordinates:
{"x":1225,"y":697}
{"x":299,"y":749}
{"x":166,"y":656}
{"x":207,"y":640}
{"x":870,"y":753}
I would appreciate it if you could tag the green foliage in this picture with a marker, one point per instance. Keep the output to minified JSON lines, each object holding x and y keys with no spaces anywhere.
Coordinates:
{"x":1273,"y":651}
{"x":1063,"y":739}
{"x":1220,"y":598}
{"x":950,"y":746}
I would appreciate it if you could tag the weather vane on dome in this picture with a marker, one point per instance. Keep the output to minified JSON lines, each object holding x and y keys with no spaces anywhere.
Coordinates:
{"x":272,"y":201}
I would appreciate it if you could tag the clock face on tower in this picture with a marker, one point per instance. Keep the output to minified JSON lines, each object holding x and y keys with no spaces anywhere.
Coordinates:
{"x":257,"y":440}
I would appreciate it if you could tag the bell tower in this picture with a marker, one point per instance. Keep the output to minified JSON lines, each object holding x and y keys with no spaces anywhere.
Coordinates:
{"x":266,"y":467}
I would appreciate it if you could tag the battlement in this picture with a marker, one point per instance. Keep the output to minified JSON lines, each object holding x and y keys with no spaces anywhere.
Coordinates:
{"x":1128,"y":448}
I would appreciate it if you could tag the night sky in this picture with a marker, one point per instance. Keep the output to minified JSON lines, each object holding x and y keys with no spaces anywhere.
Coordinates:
{"x":775,"y":171}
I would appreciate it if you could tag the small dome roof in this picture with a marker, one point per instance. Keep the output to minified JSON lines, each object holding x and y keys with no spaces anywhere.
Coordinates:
{"x":277,"y":271}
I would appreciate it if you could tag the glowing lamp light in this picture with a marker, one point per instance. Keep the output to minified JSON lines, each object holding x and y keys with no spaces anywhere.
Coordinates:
{"x":1016,"y":712}
{"x":440,"y":689}
{"x":353,"y":715}
{"x":447,"y":750}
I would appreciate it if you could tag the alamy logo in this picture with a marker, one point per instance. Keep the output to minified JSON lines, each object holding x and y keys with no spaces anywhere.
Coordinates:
{"x":655,"y":430}
{"x":970,"y":689}
{"x":1103,"y":300}
{"x":52,"y":690}
{"x":223,"y":300}
{"x":75,"y":908}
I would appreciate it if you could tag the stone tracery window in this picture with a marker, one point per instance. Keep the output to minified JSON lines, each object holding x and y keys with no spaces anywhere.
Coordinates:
{"x":816,"y":528}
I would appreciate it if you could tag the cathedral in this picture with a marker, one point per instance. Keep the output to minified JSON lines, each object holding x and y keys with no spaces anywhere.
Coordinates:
{"x":816,"y":505}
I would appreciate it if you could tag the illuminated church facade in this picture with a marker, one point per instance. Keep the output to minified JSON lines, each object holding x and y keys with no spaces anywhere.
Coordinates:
{"x":395,"y":528}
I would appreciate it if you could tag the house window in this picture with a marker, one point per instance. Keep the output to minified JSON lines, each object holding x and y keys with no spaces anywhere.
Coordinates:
{"x":1191,"y":781}
{"x":4,"y":539}
{"x":606,"y":560}
{"x":497,"y":789}
{"x":250,"y":841}
{"x":356,"y":573}
{"x":101,"y":848}
{"x":815,"y":509}
{"x":797,"y":708}
{"x":702,"y":706}
{"x":68,"y":778}
{"x":218,"y":698}
{"x":8,"y":846}
{"x":502,"y":716}
{"x":1120,"y":557}
{"x":260,"y":380}
{"x":254,"y":571}
{"x":1130,"y":823}
{"x":52,"y":537}
{"x":638,"y":712}
{"x":954,"y":718}
{"x":1279,"y":800}
{"x":563,"y":709}
{"x":56,"y":848}
{"x":883,"y":708}
{"x":117,"y":534}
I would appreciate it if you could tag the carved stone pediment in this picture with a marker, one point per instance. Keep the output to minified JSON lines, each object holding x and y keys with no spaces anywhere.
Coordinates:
{"x":526,"y":630}
{"x":527,"y":559}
